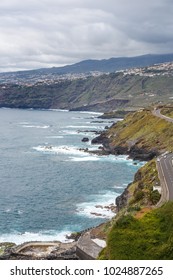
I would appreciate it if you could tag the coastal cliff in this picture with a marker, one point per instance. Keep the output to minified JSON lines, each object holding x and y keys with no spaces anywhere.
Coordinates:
{"x":141,"y":226}
{"x":141,"y":136}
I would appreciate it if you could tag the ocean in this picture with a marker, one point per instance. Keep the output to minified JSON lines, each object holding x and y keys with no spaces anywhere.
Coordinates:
{"x":49,"y":187}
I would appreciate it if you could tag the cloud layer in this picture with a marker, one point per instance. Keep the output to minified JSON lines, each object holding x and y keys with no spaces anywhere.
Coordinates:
{"x":46,"y":33}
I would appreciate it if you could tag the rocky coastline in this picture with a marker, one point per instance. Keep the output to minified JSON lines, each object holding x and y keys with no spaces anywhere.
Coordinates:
{"x":67,"y":251}
{"x":133,"y":152}
{"x":55,"y":250}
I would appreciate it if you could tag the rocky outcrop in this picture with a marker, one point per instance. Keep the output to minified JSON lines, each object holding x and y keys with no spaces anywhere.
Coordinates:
{"x":142,"y":154}
{"x":85,"y":139}
{"x":102,"y":139}
{"x":121,"y":200}
{"x":134,"y":152}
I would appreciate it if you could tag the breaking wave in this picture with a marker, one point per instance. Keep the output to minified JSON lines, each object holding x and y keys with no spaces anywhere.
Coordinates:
{"x":100,"y":207}
{"x":50,"y":235}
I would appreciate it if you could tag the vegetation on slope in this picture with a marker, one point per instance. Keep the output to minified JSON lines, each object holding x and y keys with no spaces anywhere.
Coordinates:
{"x":103,"y":93}
{"x":141,"y":193}
{"x":140,"y":230}
{"x":168,"y":111}
{"x":142,"y":130}
{"x":150,"y":237}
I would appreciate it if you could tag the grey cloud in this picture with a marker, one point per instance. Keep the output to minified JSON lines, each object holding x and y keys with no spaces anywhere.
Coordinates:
{"x":45,"y":33}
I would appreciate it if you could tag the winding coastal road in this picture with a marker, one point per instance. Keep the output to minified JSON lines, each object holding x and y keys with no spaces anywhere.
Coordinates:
{"x":157,"y":113}
{"x":165,"y":166}
{"x":165,"y":169}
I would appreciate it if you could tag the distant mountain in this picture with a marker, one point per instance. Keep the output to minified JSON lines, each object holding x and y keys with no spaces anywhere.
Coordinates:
{"x":104,"y":65}
{"x":113,"y":64}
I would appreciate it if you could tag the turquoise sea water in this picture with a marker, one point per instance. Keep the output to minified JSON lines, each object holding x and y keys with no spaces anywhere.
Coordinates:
{"x":48,"y":186}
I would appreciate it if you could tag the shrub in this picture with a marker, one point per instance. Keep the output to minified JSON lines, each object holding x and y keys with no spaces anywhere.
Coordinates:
{"x":139,"y":194}
{"x":155,"y":196}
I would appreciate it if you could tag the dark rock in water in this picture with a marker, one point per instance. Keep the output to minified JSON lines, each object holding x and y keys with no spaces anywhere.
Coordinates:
{"x":106,"y":127}
{"x":85,"y":139}
{"x":101,"y":139}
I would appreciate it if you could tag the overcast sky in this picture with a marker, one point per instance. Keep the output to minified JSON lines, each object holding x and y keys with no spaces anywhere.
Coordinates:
{"x":46,"y":33}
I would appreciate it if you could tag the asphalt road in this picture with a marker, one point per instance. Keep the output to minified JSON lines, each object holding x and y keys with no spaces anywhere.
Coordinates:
{"x":156,"y":112}
{"x":165,"y":166}
{"x":165,"y":169}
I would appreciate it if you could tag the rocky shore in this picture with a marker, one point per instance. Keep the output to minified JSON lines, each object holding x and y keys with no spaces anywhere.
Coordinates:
{"x":56,"y":250}
{"x":134,"y":152}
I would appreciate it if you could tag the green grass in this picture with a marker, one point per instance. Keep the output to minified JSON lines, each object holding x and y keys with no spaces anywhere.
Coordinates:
{"x":168,"y":111}
{"x":140,"y":191}
{"x":134,"y":235}
{"x":144,"y":130}
{"x":150,"y":237}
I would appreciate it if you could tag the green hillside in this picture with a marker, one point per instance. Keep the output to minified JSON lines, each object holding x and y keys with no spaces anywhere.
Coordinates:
{"x":139,"y":133}
{"x":148,"y":238}
{"x":140,"y":230}
{"x":103,"y":93}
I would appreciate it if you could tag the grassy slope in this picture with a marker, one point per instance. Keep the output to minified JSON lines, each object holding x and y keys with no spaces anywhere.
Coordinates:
{"x":150,"y":237}
{"x":147,"y":236}
{"x":143,"y":130}
{"x":168,"y":111}
{"x":141,"y":192}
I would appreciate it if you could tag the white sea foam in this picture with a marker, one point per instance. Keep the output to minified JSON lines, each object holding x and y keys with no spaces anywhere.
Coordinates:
{"x":85,"y":126}
{"x":35,"y":126}
{"x":92,"y":157}
{"x":70,"y":132}
{"x":74,"y":132}
{"x":19,"y":238}
{"x":120,"y":187}
{"x":98,"y":207}
{"x":80,"y":155}
{"x":20,"y":212}
{"x":58,"y":110}
{"x":86,"y":158}
{"x":69,"y":150}
{"x":90,"y":113}
{"x":8,"y":210}
{"x":55,"y":137}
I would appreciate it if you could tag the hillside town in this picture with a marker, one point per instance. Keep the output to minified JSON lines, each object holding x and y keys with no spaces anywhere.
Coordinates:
{"x":163,"y":69}
{"x":38,"y":78}
{"x":47,"y":79}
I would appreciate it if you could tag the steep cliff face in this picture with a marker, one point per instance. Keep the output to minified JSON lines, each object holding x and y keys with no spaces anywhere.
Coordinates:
{"x":140,"y":192}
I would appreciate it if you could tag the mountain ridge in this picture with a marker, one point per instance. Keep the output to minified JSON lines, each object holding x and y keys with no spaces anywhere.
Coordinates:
{"x":103,"y":65}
